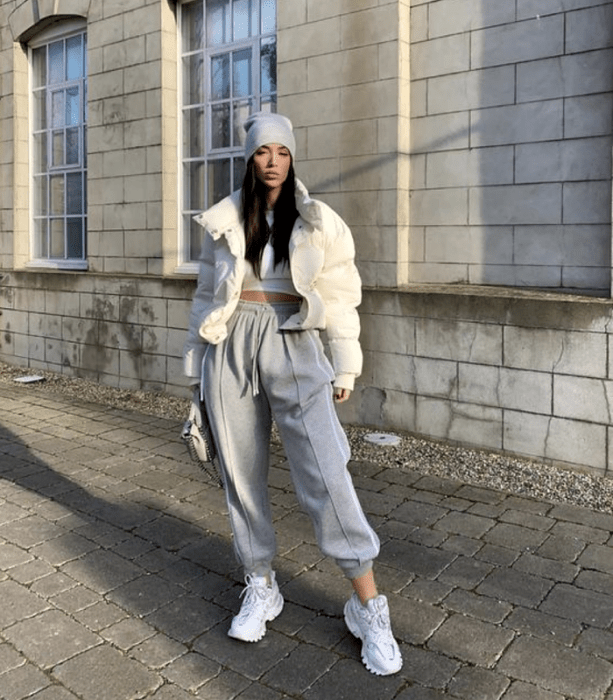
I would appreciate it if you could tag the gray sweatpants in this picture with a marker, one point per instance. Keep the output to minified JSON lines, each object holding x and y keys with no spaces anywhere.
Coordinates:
{"x":259,"y":372}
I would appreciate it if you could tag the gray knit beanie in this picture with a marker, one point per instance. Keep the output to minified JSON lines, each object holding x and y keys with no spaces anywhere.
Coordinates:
{"x":267,"y":127}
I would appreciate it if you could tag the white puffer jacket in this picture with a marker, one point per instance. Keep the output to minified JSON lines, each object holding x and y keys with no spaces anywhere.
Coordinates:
{"x":322,"y":265}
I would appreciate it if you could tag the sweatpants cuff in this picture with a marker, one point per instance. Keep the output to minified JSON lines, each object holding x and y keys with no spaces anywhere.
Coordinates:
{"x":352,"y":571}
{"x":262,"y":569}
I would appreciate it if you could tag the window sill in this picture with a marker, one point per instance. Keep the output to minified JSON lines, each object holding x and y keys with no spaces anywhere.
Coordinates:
{"x":188,"y":268}
{"x":68,"y":265}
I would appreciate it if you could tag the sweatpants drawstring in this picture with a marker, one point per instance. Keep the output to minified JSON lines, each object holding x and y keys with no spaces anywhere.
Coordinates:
{"x":256,"y":342}
{"x":255,"y":372}
{"x":251,"y":320}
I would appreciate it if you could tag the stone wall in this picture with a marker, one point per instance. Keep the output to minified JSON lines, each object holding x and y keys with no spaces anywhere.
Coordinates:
{"x":121,"y":322}
{"x":511,"y":134}
{"x":523,"y":372}
{"x":343,"y":78}
{"x":124,"y":331}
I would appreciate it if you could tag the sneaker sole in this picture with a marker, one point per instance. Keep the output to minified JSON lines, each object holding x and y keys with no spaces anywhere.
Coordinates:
{"x":378,"y":671}
{"x":261,"y":631}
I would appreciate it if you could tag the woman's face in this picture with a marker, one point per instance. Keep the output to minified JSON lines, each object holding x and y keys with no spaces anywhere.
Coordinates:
{"x":272,"y":163}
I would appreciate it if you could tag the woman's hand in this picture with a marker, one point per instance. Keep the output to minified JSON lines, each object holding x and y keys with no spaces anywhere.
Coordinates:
{"x":341,"y":395}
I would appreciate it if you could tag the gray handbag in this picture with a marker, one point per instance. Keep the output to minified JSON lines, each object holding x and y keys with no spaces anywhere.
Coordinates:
{"x":198,"y":438}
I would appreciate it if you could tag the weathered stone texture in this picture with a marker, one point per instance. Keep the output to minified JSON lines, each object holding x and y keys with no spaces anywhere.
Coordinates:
{"x":528,"y":373}
{"x":121,"y":333}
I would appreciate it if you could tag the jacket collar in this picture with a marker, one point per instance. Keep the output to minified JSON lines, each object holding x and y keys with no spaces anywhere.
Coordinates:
{"x":225,"y":219}
{"x":309,"y":209}
{"x":223,"y":216}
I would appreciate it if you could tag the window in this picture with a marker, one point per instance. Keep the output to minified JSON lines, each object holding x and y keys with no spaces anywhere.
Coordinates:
{"x":229,"y":69}
{"x":58,"y":147}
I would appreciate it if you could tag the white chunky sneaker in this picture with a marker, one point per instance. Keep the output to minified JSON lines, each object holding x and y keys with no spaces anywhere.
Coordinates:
{"x":263,"y":602}
{"x":371,"y":624}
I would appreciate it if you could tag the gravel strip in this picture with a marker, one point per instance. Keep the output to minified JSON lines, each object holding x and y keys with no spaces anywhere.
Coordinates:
{"x":522,"y":477}
{"x":148,"y":402}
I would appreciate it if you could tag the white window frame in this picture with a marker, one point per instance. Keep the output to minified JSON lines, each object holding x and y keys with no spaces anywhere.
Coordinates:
{"x":185,"y":264}
{"x":63,"y":29}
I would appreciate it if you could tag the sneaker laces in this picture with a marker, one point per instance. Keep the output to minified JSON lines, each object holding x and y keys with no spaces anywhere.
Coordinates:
{"x":256,"y":588}
{"x":379,"y":625}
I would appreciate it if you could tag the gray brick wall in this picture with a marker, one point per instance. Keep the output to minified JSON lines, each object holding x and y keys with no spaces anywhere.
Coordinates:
{"x":511,"y":121}
{"x":120,"y":332}
{"x":523,"y":372}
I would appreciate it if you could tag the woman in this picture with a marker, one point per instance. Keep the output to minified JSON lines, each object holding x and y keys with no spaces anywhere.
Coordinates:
{"x":278,"y":267}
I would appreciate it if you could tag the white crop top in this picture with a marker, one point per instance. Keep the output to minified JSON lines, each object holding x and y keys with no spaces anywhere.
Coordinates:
{"x":273,"y":279}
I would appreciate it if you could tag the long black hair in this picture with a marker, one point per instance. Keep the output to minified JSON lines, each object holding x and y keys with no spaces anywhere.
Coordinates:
{"x":257,"y":231}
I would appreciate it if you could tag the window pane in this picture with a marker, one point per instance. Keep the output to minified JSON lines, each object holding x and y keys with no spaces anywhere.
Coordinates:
{"x":41,"y":240}
{"x":241,"y":61}
{"x":57,"y":194}
{"x":239,"y":173}
{"x":56,"y":62}
{"x":219,"y":180}
{"x":193,"y":79}
{"x":39,"y":66}
{"x":268,"y":104}
{"x":268,"y":63}
{"x":192,"y":23}
{"x":41,"y":206}
{"x":74,"y":238}
{"x":194,"y":186}
{"x":220,"y":126}
{"x":220,"y":77}
{"x":74,"y":58}
{"x":56,"y":243}
{"x":74,"y":193}
{"x":269,"y":16}
{"x":57,"y":145}
{"x":58,"y":108}
{"x":72,"y":106}
{"x":218,"y":17}
{"x":242,"y":19}
{"x":193,"y":132}
{"x":195,"y":237}
{"x":40,"y":152}
{"x":72,"y":146}
{"x":241,"y":110}
{"x":39,"y":104}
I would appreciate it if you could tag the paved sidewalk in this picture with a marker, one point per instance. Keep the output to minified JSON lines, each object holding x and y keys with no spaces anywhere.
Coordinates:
{"x":118,"y":580}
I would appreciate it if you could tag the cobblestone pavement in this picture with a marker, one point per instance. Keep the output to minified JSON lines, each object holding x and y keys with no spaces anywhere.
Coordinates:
{"x":118,"y":580}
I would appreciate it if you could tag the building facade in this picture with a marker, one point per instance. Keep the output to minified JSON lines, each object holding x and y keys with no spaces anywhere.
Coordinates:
{"x":466,"y":142}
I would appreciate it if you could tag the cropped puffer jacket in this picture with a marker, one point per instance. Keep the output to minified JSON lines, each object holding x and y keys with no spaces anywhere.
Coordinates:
{"x":322,"y":253}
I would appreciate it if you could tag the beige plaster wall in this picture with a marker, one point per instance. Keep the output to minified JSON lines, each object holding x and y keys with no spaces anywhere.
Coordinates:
{"x":344,"y":81}
{"x":118,"y":322}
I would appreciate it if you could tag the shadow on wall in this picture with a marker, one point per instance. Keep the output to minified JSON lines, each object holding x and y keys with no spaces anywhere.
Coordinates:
{"x":542,"y":130}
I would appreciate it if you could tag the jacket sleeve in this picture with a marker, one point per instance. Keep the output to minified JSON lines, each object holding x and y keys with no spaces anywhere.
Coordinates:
{"x":341,"y":288}
{"x":193,"y":349}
